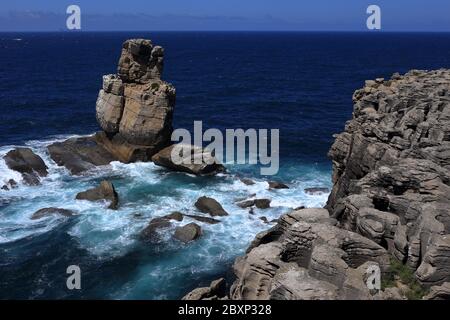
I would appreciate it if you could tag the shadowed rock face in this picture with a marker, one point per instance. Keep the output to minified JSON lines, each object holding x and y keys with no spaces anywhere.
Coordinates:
{"x":29,"y":164}
{"x":392,"y":170}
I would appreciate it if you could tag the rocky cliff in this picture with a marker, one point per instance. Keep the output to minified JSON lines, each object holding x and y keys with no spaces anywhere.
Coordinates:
{"x":135,"y":107}
{"x":389,"y":206}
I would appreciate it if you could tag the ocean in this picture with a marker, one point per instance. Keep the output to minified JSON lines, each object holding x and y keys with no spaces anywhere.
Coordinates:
{"x":299,"y":83}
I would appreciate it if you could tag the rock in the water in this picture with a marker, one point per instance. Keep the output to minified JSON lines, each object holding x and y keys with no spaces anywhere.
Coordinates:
{"x":246,"y":203}
{"x":391,"y":170}
{"x":215,"y":291}
{"x":210,"y":206}
{"x":150,"y":232}
{"x":262,"y":203}
{"x":277,"y":185}
{"x":45,"y":212}
{"x":29,"y":164}
{"x":247,"y":181}
{"x":135,"y":107}
{"x":188,"y":158}
{"x":188,"y":232}
{"x":316,"y":191}
{"x":80,"y":154}
{"x":105,"y":191}
{"x":11,"y":184}
{"x":203,"y":219}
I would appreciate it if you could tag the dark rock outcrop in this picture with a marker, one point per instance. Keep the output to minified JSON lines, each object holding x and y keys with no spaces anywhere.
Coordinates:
{"x":80,"y":154}
{"x":316,"y":191}
{"x":203,"y":219}
{"x":156,"y":224}
{"x":192,"y":159}
{"x":46,"y":212}
{"x":277,"y":185}
{"x":105,"y":191}
{"x":391,"y":170}
{"x":188,"y":232}
{"x":29,"y":164}
{"x":259,"y":203}
{"x":210,"y":206}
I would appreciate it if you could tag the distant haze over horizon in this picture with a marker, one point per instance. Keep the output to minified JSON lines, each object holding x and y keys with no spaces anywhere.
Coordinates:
{"x":230,"y":15}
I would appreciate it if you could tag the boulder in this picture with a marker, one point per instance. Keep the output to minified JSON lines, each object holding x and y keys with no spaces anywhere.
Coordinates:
{"x":210,"y":206}
{"x":46,"y":212}
{"x":215,"y":291}
{"x":191,"y":159}
{"x":11,"y":184}
{"x":150,"y":232}
{"x":277,"y":185}
{"x":247,"y":181}
{"x":188,"y":232}
{"x":29,"y":164}
{"x":262,"y":203}
{"x":105,"y":191}
{"x":80,"y":154}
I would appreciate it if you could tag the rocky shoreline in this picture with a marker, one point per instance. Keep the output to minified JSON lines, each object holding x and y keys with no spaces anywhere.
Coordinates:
{"x":389,"y":207}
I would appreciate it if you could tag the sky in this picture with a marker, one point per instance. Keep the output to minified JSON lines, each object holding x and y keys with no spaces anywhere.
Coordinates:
{"x":223,"y":15}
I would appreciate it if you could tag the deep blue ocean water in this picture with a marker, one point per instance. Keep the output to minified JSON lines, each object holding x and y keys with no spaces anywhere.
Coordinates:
{"x":300,"y":83}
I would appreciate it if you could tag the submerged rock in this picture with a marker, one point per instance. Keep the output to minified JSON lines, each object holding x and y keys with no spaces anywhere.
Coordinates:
{"x":45,"y":212}
{"x":150,"y":232}
{"x":105,"y":191}
{"x":194,"y":160}
{"x":210,"y":206}
{"x":247,"y":181}
{"x":11,"y":184}
{"x":29,"y":164}
{"x":188,"y":232}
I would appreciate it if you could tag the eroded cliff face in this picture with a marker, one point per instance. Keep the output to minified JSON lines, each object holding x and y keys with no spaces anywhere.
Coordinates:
{"x":135,"y":107}
{"x":392,"y":170}
{"x":391,"y":198}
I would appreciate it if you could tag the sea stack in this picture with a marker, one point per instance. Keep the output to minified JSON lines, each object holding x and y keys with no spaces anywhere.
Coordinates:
{"x":135,"y":107}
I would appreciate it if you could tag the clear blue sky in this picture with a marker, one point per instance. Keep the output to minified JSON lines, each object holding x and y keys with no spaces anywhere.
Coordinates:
{"x":332,"y":15}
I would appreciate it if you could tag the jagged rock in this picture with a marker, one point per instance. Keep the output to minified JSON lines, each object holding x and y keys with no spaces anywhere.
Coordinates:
{"x":215,"y":291}
{"x":316,"y":191}
{"x":45,"y":212}
{"x":150,"y":232}
{"x":191,"y":159}
{"x":246,"y":203}
{"x":277,"y":185}
{"x":80,"y":154}
{"x":105,"y":191}
{"x":135,"y":107}
{"x":210,"y":206}
{"x":264,"y":219}
{"x":441,"y":292}
{"x":177,"y":216}
{"x":140,"y":61}
{"x":203,"y":219}
{"x":188,"y":232}
{"x":29,"y":164}
{"x":391,"y":173}
{"x":307,"y":260}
